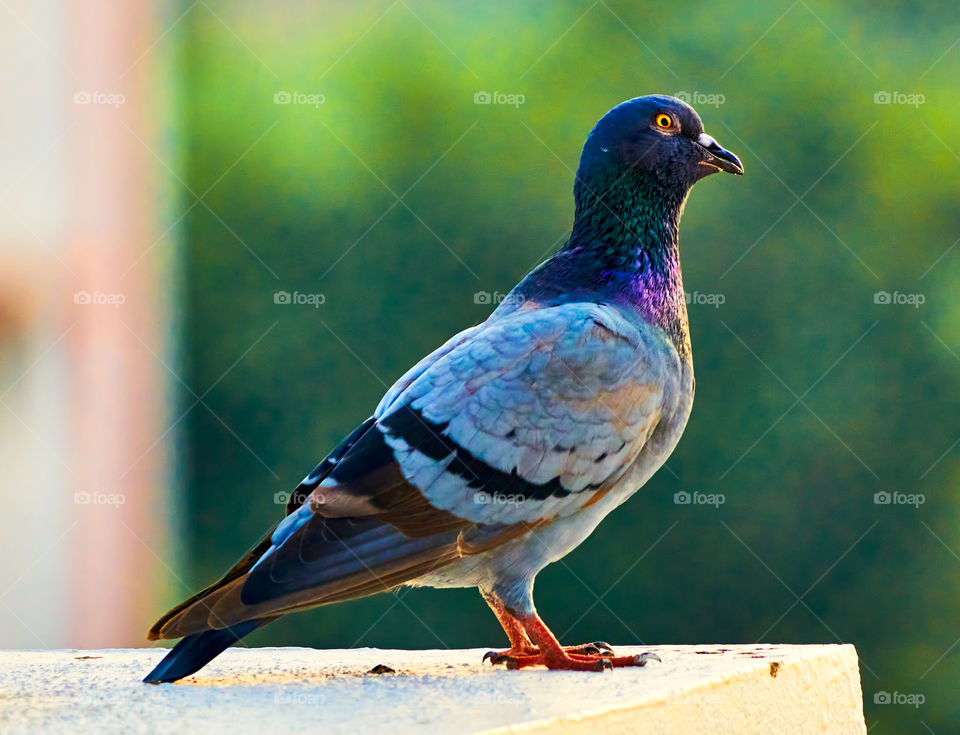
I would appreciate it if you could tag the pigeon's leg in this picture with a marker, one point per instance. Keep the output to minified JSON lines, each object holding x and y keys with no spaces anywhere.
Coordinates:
{"x":554,"y":656}
{"x":520,"y":644}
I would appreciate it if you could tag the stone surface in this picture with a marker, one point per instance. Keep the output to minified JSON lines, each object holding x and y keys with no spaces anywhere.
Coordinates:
{"x":736,"y":689}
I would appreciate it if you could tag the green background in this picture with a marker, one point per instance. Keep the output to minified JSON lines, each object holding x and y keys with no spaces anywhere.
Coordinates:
{"x":811,"y":397}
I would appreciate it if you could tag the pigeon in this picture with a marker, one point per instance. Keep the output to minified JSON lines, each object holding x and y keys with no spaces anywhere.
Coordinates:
{"x":502,"y":450}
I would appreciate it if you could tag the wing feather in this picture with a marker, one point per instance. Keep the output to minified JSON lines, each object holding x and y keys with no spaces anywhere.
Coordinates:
{"x":508,"y":426}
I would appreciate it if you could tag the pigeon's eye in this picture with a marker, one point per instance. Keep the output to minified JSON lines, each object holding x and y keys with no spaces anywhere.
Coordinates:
{"x":663,"y":120}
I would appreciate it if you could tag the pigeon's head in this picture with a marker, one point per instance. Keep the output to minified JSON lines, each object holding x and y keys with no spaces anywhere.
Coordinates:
{"x":658,"y":137}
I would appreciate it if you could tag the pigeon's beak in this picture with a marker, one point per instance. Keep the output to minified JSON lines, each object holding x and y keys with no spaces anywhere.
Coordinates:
{"x":718,"y":157}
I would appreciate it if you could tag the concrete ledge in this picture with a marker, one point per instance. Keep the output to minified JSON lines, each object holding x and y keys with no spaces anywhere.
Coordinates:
{"x":738,"y":690}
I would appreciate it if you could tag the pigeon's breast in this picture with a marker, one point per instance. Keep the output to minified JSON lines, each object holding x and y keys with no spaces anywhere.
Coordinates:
{"x":665,"y":436}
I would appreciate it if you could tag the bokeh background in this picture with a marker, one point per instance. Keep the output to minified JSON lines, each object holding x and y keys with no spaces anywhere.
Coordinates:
{"x":393,"y":169}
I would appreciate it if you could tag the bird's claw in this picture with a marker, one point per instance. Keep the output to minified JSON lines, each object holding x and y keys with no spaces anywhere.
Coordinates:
{"x":600,"y":647}
{"x":603,"y":664}
{"x":597,"y":648}
{"x":496,"y":657}
{"x":642,"y":658}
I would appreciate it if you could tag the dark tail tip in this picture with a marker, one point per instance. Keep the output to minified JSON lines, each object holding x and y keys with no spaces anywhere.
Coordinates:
{"x":195,"y":651}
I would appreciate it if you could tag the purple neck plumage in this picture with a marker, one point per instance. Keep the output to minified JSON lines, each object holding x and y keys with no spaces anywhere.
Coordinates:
{"x":624,"y":250}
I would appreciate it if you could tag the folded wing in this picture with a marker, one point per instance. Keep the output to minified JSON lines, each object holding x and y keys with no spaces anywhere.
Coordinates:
{"x":507,"y":427}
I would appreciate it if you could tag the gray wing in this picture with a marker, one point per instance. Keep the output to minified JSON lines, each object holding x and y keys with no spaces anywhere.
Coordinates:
{"x":507,"y":427}
{"x":526,"y":419}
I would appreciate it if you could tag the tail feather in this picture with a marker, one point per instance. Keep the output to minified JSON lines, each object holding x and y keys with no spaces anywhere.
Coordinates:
{"x":195,"y":651}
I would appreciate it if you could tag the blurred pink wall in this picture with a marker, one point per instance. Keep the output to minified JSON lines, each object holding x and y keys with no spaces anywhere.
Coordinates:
{"x":84,"y":422}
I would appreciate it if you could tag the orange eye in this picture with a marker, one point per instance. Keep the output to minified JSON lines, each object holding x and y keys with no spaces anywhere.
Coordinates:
{"x":663,"y":120}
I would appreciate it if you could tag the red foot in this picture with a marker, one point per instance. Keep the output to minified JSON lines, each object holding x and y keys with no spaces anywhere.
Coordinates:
{"x":554,"y":656}
{"x":589,"y":651}
{"x":532,"y":644}
{"x":561,"y":660}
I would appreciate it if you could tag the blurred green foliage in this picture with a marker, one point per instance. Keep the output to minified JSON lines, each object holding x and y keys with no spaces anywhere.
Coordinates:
{"x":811,"y":397}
